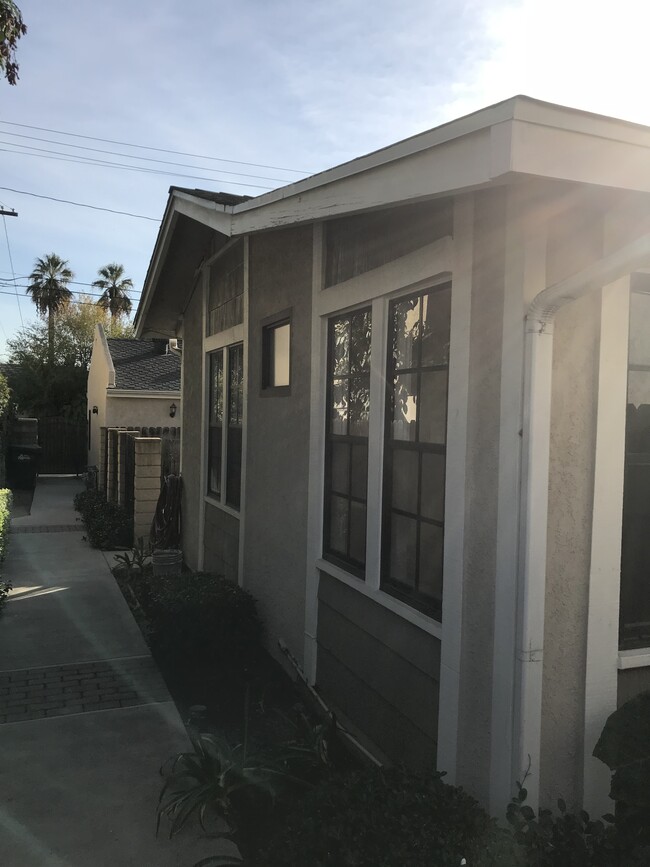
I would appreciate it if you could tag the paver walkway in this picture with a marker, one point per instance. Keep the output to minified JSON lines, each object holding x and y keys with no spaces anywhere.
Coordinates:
{"x":85,"y":717}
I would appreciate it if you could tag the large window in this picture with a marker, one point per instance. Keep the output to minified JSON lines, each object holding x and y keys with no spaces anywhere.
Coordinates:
{"x":346,"y":454}
{"x":225,"y":423}
{"x":415,"y":448}
{"x":635,"y":555}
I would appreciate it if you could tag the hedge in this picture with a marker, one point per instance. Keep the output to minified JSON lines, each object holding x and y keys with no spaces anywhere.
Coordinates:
{"x":5,"y":505}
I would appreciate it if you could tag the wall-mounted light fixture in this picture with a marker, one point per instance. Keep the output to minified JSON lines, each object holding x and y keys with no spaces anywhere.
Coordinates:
{"x":95,"y":410}
{"x":172,"y":410}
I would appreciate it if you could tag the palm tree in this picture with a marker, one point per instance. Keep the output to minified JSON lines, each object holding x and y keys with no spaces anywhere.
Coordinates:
{"x":115,"y":290}
{"x":48,"y":286}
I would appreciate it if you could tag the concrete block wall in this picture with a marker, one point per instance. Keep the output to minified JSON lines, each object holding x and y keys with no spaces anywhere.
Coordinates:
{"x":146,"y":484}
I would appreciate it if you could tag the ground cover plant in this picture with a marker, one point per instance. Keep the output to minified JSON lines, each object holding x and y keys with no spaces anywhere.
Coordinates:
{"x":5,"y":507}
{"x":107,"y":525}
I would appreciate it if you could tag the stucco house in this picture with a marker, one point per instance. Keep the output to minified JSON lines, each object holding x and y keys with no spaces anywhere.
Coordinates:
{"x":405,"y":392}
{"x":131,"y":383}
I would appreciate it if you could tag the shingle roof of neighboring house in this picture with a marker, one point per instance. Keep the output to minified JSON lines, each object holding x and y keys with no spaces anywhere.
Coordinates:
{"x":143,"y":365}
{"x":219,"y":198}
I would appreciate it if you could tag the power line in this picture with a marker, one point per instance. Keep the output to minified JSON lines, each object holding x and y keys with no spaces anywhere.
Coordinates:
{"x":150,"y":148}
{"x":11,"y":263}
{"x":90,"y":303}
{"x":133,"y":296}
{"x":92,"y":161}
{"x":131,"y":156}
{"x":80,"y":204}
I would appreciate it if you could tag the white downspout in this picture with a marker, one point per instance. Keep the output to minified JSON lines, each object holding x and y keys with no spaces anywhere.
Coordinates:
{"x":538,"y":374}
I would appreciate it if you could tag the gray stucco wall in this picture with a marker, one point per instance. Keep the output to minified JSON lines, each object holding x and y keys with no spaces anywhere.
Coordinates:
{"x":481,"y":493}
{"x":191,"y":423}
{"x":574,"y":241}
{"x":382,"y":672}
{"x":277,"y":451}
{"x":221,"y":543}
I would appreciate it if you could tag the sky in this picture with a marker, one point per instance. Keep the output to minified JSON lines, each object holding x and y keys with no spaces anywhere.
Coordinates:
{"x":254,"y":94}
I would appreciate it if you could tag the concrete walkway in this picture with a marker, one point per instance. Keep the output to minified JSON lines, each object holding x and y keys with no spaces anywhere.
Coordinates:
{"x":85,"y":717}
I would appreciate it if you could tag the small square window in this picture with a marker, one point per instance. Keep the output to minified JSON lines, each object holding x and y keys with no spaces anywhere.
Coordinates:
{"x":276,"y":356}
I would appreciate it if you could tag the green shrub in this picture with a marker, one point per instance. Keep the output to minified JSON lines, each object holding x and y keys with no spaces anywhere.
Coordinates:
{"x":202,"y":621}
{"x":624,"y":746}
{"x":383,"y":817}
{"x":107,"y":524}
{"x":5,"y":506}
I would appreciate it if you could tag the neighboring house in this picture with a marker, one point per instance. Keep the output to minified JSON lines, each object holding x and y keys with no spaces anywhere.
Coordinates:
{"x":429,"y":345}
{"x":131,"y":383}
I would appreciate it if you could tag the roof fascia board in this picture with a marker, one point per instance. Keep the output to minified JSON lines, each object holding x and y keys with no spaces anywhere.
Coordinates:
{"x":443,"y":134}
{"x":140,"y":392}
{"x":163,"y":241}
{"x":467,"y":163}
{"x":580,"y":156}
{"x":217,"y":217}
{"x":101,"y":335}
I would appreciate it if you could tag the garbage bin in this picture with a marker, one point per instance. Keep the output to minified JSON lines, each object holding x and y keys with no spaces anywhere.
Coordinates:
{"x":22,"y":466}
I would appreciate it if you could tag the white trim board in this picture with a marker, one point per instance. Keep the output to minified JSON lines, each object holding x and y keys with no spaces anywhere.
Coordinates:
{"x":603,"y":658}
{"x":628,"y":659}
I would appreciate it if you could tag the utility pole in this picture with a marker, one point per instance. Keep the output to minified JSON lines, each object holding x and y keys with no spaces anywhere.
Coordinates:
{"x":11,"y":213}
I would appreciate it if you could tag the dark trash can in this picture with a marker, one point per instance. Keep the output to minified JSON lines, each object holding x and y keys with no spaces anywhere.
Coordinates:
{"x":22,"y":466}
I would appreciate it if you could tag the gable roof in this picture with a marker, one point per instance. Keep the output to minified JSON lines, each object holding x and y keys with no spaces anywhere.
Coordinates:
{"x":144,"y":365}
{"x":519,"y":138}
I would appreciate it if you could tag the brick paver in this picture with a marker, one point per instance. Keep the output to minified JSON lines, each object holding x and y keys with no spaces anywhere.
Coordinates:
{"x":34,"y":693}
{"x":49,"y":528}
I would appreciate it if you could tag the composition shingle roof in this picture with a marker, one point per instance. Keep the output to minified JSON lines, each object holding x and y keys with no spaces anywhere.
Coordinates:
{"x":143,"y":365}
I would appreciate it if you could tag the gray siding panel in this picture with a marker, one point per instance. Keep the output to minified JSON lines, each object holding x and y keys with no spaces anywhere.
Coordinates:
{"x":380,"y":671}
{"x":390,"y":730}
{"x":277,"y":450}
{"x":221,"y":542}
{"x":191,"y":414}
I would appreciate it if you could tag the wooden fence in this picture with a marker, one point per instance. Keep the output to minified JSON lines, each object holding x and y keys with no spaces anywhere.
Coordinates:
{"x":63,"y":445}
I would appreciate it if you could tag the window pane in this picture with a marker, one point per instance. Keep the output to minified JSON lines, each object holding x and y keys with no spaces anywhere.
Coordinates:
{"x":436,"y":316}
{"x":433,"y":487}
{"x":360,"y":342}
{"x":235,"y":384}
{"x":341,"y":346}
{"x":216,"y":388}
{"x":340,"y":463}
{"x":405,"y":324}
{"x":214,"y":461}
{"x":359,"y":405}
{"x":403,"y":540}
{"x":405,"y":480}
{"x":433,"y":407}
{"x":339,"y":525}
{"x":359,"y":472}
{"x":430,"y":577}
{"x":358,"y":532}
{"x":638,"y":391}
{"x":235,"y":420}
{"x":404,"y":406}
{"x":215,"y":422}
{"x":339,"y":408}
{"x":233,"y":467}
{"x":280,"y":362}
{"x":639,"y":350}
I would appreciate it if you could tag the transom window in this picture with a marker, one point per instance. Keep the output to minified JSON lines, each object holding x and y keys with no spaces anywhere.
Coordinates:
{"x":226,"y":414}
{"x":346,"y":451}
{"x":415,"y":448}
